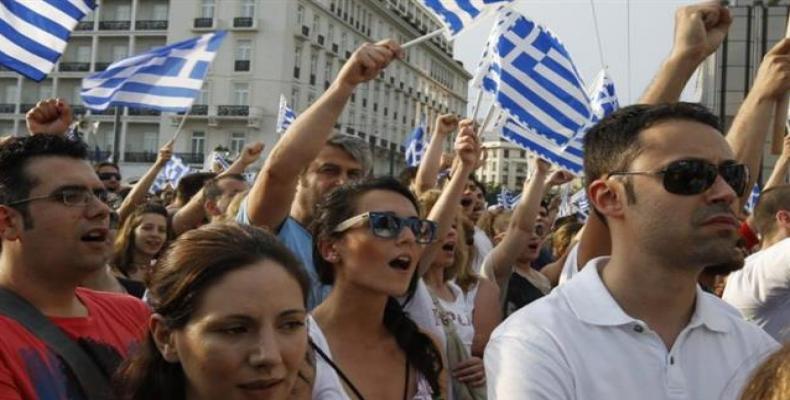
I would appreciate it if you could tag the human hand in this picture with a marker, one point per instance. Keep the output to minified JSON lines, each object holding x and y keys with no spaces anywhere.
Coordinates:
{"x":445,"y":124}
{"x":467,"y":145}
{"x":541,"y":166}
{"x":773,"y":76}
{"x":559,"y":177}
{"x":471,"y":371}
{"x":50,"y":117}
{"x":700,"y":29}
{"x":368,"y":61}
{"x":165,"y":153}
{"x":252,"y":152}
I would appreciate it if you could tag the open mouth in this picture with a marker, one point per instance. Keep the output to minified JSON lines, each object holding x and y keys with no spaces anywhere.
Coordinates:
{"x":402,"y":263}
{"x":466,"y":202}
{"x":96,"y":235}
{"x":449,"y":247}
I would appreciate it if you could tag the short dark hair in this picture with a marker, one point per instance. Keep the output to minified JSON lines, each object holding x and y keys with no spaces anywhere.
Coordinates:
{"x":212,"y":190}
{"x":107,"y":164}
{"x":613,"y":143}
{"x":17,"y":152}
{"x":189,"y":185}
{"x":771,"y":201}
{"x":473,"y":179}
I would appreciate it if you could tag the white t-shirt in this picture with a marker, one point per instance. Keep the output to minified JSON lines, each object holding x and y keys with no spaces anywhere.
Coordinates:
{"x":420,"y":310}
{"x":571,"y":266}
{"x":578,"y":344}
{"x":483,"y":246}
{"x":460,"y":313}
{"x":761,"y":290}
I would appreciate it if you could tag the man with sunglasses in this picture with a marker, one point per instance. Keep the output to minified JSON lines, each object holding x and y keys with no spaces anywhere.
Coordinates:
{"x":636,"y":324}
{"x":54,"y":228}
{"x":110,"y":175}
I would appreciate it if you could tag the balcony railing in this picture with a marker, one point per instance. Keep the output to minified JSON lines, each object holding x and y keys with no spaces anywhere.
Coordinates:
{"x":100,"y":66}
{"x":242,"y":22}
{"x":144,"y":112}
{"x":233,"y":111}
{"x":204,"y":22}
{"x":145,"y":156}
{"x":197,"y":109}
{"x":74,"y":66}
{"x":78,"y":109}
{"x":115,"y":25}
{"x":7,"y":108}
{"x":151,"y":25}
{"x":84,"y":26}
{"x":241,"y":65}
{"x":191,"y":158}
{"x":25,"y":107}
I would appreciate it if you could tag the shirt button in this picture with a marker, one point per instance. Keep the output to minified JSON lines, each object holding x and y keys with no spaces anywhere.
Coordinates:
{"x":671,"y":360}
{"x":638,"y":329}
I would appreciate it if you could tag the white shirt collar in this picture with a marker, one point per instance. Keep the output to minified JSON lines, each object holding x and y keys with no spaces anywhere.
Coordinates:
{"x":592,"y":303}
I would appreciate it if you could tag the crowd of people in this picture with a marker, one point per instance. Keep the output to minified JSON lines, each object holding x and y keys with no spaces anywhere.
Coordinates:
{"x":321,"y":281}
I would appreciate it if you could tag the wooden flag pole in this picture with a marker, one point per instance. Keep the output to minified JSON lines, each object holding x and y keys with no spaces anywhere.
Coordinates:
{"x":780,"y":115}
{"x":478,"y":100}
{"x":422,"y":38}
{"x":183,"y":120}
{"x":488,"y":119}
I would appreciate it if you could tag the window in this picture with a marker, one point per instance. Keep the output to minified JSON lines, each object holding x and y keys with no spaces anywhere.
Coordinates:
{"x":123,"y":12}
{"x":310,"y":98}
{"x":330,"y":34}
{"x":160,"y":12}
{"x":241,"y":94}
{"x":45,"y":90}
{"x":150,"y":141}
{"x":343,"y":42}
{"x":248,"y":8}
{"x":202,"y":98}
{"x":119,"y":52}
{"x":313,"y":67}
{"x":76,"y":94}
{"x":316,"y":24}
{"x":297,"y":61}
{"x":198,"y":142}
{"x":237,"y":141}
{"x":207,"y":9}
{"x":507,"y":155}
{"x":243,"y":50}
{"x":295,"y":98}
{"x":299,"y":15}
{"x":10,"y":94}
{"x":328,"y":71}
{"x":84,"y":54}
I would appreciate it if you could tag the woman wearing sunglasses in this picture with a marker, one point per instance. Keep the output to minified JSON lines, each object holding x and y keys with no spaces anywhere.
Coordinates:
{"x":510,"y":262}
{"x":369,"y":243}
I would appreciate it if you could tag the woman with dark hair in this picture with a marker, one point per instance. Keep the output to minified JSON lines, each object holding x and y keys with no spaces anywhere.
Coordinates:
{"x":228,"y":323}
{"x":140,"y":240}
{"x":369,"y":241}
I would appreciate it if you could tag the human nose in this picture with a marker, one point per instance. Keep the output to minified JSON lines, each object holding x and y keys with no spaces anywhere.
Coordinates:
{"x":721,"y":191}
{"x":267,"y":349}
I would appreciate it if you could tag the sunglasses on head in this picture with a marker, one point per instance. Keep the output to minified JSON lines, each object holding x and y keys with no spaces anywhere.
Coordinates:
{"x":106,"y":176}
{"x":693,"y":176}
{"x":387,"y":225}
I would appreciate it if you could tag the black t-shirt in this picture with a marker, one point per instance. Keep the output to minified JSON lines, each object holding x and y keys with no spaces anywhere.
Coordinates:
{"x":134,"y":288}
{"x":520,"y":292}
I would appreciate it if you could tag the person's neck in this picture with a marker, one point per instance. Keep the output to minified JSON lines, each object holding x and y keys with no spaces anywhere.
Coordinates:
{"x":648,"y":288}
{"x":103,"y":280}
{"x":434,"y":277}
{"x":141,"y":259}
{"x":772,"y":240}
{"x":354,"y":311}
{"x":302,"y":214}
{"x":52,"y":296}
{"x":523,"y":266}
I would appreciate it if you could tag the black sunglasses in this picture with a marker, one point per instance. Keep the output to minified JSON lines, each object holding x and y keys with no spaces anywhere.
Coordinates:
{"x":387,"y":225}
{"x":106,"y":176}
{"x":693,"y":176}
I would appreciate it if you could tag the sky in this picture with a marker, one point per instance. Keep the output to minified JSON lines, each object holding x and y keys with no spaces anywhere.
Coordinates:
{"x":648,"y":23}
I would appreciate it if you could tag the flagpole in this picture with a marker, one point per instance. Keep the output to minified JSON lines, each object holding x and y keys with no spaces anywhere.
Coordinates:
{"x":183,"y":120}
{"x":487,"y":120}
{"x":478,"y":100}
{"x":597,"y":34}
{"x":116,"y":153}
{"x":423,"y":38}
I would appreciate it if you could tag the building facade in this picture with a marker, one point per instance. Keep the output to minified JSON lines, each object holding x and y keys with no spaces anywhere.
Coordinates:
{"x":289,"y":47}
{"x":506,"y":164}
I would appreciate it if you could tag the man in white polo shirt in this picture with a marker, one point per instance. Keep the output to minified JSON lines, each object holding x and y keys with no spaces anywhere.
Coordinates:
{"x":761,"y":290}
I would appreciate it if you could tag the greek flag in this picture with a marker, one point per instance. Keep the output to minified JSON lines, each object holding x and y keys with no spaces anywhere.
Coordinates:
{"x":174,"y":170}
{"x":250,"y":176}
{"x":459,"y":14}
{"x":603,"y":97}
{"x":506,"y":200}
{"x":285,"y":116}
{"x":33,"y":34}
{"x":565,"y":205}
{"x":569,"y":158}
{"x":754,"y":198}
{"x":580,"y":203}
{"x":415,"y":146}
{"x":165,"y":78}
{"x":219,"y":159}
{"x":533,"y":78}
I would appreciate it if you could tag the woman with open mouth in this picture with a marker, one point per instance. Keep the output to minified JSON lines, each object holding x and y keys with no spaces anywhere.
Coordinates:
{"x":140,"y":240}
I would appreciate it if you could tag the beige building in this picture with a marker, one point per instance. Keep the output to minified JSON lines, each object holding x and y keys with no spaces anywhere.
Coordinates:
{"x":505,"y":164}
{"x":273,"y":47}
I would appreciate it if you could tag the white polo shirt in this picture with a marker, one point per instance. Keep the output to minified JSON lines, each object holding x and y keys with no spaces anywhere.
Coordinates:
{"x":761,"y":290}
{"x":577,"y":343}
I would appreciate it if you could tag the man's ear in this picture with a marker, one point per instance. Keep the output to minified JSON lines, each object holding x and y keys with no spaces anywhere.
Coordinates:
{"x":11,"y":223}
{"x":211,"y":209}
{"x":164,"y":338}
{"x":606,"y":198}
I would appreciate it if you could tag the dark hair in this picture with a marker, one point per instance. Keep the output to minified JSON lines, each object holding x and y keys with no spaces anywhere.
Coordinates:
{"x":339,"y":205}
{"x":771,"y":201}
{"x":613,"y":143}
{"x":407,"y":176}
{"x":197,"y":260}
{"x":17,"y":152}
{"x":189,"y":185}
{"x":107,"y":164}
{"x":123,"y":248}
{"x":479,"y":184}
{"x":212,"y":191}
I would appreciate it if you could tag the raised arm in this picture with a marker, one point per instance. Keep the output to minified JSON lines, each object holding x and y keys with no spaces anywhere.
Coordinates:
{"x":50,"y":117}
{"x":779,"y":174}
{"x":140,"y":189}
{"x":699,"y":30}
{"x":754,"y":119}
{"x":467,"y":148}
{"x":428,"y":171}
{"x":270,"y":198}
{"x":249,"y":155}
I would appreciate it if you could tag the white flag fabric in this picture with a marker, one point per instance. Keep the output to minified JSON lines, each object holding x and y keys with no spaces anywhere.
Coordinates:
{"x":34,"y":33}
{"x":285,"y":116}
{"x":415,"y":146}
{"x":569,"y":158}
{"x":603,"y":97}
{"x":460,"y":14}
{"x":166,"y":78}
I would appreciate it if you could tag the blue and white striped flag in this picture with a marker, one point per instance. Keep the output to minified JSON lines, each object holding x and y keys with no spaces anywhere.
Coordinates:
{"x":285,"y":116}
{"x":569,"y":158}
{"x":754,"y":197}
{"x":33,"y":34}
{"x":415,"y":146}
{"x":165,"y":78}
{"x":174,"y":170}
{"x":507,"y":200}
{"x":250,"y":176}
{"x":220,"y":159}
{"x":580,"y":204}
{"x":603,"y":97}
{"x":533,"y":78}
{"x":459,"y":14}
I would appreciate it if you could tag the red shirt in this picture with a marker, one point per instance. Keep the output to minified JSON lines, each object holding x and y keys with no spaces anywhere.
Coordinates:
{"x":115,"y":324}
